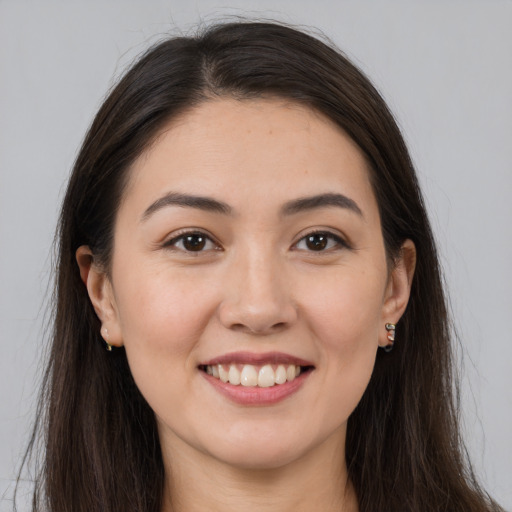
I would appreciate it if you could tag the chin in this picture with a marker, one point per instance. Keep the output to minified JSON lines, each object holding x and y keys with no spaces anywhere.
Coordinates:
{"x":261,"y":451}
{"x":258,"y":459}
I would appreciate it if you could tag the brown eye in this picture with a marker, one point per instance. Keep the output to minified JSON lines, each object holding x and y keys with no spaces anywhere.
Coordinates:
{"x":192,"y":242}
{"x":320,"y":241}
{"x":316,"y":242}
{"x":195,"y":242}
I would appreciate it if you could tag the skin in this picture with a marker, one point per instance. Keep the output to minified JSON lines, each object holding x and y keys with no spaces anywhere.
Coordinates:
{"x":258,"y":287}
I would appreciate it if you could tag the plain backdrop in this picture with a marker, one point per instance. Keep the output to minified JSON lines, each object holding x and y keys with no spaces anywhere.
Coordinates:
{"x":445,"y":67}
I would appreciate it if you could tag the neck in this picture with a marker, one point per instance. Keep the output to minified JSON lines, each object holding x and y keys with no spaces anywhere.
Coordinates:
{"x":317,"y":481}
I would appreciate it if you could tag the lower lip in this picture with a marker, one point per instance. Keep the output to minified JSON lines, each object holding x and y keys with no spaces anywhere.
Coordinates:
{"x":253,"y":395}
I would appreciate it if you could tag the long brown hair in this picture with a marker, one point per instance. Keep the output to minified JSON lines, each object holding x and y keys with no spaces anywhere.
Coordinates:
{"x":101,"y":447}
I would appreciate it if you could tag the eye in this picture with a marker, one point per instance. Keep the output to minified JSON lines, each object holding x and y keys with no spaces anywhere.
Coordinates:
{"x":320,"y":241}
{"x":192,"y":242}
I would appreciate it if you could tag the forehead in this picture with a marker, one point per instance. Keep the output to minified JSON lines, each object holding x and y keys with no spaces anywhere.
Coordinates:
{"x":238,"y":150}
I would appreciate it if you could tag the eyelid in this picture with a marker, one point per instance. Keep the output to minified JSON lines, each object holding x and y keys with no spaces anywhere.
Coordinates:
{"x":170,"y":242}
{"x":337,"y":237}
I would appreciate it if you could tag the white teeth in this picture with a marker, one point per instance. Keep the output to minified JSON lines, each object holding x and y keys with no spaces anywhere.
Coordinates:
{"x":248,"y":377}
{"x":280,"y":376}
{"x":234,"y":375}
{"x":251,"y":376}
{"x":266,"y":377}
{"x":223,"y":374}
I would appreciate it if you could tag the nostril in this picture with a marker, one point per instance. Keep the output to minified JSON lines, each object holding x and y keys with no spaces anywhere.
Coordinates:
{"x":256,"y":317}
{"x":253,"y":329}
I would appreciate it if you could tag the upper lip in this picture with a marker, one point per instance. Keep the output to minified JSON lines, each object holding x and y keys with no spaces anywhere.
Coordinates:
{"x":257,"y":359}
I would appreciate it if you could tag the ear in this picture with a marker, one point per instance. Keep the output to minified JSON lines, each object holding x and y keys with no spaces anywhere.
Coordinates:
{"x":101,"y":295}
{"x":398,"y":288}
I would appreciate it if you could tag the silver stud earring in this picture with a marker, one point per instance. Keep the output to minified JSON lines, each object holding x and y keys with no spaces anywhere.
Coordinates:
{"x":109,"y":346}
{"x":391,"y":329}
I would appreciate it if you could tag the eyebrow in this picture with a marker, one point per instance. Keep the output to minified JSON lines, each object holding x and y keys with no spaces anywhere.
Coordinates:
{"x":213,"y":205}
{"x":188,"y":201}
{"x":320,"y":201}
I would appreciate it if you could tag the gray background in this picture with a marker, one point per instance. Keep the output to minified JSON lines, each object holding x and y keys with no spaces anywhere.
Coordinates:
{"x":445,"y":69}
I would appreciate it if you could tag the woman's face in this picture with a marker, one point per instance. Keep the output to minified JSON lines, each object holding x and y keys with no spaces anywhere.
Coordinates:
{"x":249,"y":237}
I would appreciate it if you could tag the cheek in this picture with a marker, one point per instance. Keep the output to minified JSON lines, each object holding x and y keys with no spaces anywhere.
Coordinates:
{"x":344,"y":309}
{"x":162,"y":316}
{"x":162,"y":319}
{"x":344,"y":315}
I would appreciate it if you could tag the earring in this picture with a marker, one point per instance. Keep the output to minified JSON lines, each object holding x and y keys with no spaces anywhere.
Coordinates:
{"x":391,"y":328}
{"x":109,"y":346}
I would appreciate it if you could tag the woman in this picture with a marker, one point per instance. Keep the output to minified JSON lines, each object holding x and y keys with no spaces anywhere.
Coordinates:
{"x":249,"y":307}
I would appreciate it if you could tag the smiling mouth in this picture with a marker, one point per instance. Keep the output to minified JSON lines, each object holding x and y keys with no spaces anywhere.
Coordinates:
{"x":251,"y":375}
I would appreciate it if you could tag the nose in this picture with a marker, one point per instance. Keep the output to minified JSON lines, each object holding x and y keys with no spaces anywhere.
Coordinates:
{"x":257,"y":298}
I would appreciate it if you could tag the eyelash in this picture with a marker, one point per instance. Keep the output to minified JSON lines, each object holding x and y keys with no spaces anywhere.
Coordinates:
{"x":172,"y":244}
{"x":338,"y":241}
{"x":329,"y":236}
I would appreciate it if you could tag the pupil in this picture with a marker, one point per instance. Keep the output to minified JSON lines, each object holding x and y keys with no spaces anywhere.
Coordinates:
{"x":194,"y":242}
{"x":316,"y":242}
